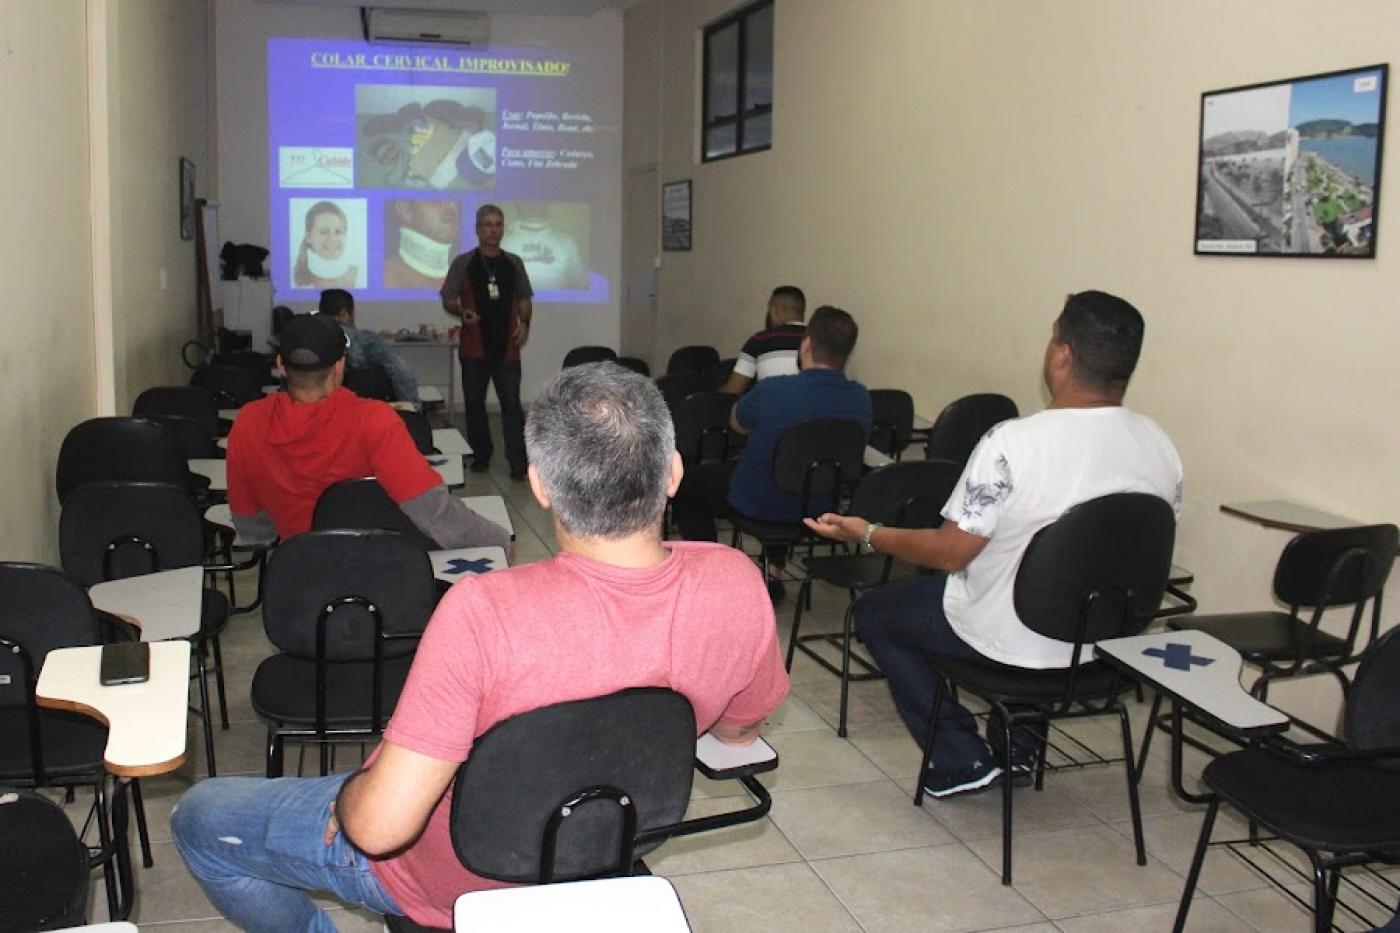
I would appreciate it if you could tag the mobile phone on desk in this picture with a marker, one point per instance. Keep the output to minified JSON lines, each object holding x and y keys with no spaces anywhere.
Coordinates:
{"x":125,"y":663}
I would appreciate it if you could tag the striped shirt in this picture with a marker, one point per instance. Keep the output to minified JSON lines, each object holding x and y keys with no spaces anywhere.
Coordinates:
{"x":772,"y":352}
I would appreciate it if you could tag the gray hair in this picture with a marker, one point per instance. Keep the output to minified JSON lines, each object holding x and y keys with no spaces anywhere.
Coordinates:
{"x":489,"y":210}
{"x":601,"y":439}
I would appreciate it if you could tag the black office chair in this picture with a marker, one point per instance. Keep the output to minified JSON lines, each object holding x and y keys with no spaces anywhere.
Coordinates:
{"x":363,"y":503}
{"x":901,"y":495}
{"x":231,"y":386}
{"x":583,"y":790}
{"x":634,"y":363}
{"x":962,"y":423}
{"x":701,"y":422}
{"x":345,"y":609}
{"x":1096,"y":572}
{"x":370,"y":382}
{"x":892,"y":424}
{"x":677,"y":387}
{"x":817,"y":461}
{"x":188,"y":401}
{"x":720,"y":372}
{"x":117,"y":448}
{"x":1340,"y":803}
{"x":194,"y":437}
{"x":579,"y":356}
{"x":42,"y":609}
{"x":419,"y":430}
{"x":692,"y":359}
{"x":259,"y":364}
{"x":43,"y":866}
{"x":114,"y":530}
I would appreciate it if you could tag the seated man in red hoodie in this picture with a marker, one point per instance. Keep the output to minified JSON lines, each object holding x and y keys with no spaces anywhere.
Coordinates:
{"x":287,"y":449}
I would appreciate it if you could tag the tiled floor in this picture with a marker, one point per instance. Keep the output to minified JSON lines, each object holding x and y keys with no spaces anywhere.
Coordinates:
{"x":843,"y":848}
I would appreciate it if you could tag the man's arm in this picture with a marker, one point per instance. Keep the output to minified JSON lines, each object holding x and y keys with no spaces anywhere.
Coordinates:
{"x":524,"y":312}
{"x":385,"y":806}
{"x":946,"y":547}
{"x":448,"y":521}
{"x":254,"y":530}
{"x":736,"y":384}
{"x":743,"y":417}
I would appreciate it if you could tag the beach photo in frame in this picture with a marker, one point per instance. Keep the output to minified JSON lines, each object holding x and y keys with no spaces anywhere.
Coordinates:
{"x":1292,"y":168}
{"x":675,"y":216}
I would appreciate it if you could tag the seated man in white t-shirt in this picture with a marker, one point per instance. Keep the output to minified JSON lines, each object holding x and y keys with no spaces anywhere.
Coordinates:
{"x":1022,"y":476}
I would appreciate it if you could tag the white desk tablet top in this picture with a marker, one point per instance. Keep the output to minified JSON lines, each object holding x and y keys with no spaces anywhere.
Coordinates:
{"x":450,"y":441}
{"x":119,"y":927}
{"x":1198,"y":668}
{"x":719,"y":756}
{"x":1287,"y":516}
{"x":165,"y":604}
{"x":491,"y":508}
{"x":219,"y":514}
{"x":145,"y":722}
{"x":640,"y":904}
{"x":212,"y":467}
{"x":430,"y":395}
{"x":449,"y":467}
{"x":229,"y":414}
{"x":875,"y":459}
{"x":456,"y":563}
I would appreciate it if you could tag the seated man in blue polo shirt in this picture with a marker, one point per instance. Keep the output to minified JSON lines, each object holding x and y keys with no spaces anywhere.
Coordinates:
{"x":819,"y":390}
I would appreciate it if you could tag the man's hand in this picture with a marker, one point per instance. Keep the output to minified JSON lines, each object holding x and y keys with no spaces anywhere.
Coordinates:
{"x":847,"y":528}
{"x":469,"y":316}
{"x":521,"y":333}
{"x":332,"y":827}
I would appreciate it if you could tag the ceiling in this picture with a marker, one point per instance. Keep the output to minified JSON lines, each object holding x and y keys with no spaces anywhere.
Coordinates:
{"x":545,"y":7}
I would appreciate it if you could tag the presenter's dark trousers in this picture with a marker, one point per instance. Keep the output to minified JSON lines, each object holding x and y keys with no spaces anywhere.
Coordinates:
{"x":505,"y":376}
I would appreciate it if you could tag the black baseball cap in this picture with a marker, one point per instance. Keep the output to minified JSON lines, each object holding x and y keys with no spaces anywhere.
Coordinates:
{"x":310,"y":342}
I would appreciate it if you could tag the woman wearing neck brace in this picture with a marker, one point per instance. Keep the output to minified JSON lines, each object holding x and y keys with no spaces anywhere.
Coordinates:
{"x":323,"y":261}
{"x":427,"y":235}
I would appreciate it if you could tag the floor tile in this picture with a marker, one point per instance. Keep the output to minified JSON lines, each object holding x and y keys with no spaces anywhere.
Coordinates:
{"x":743,"y":846}
{"x":849,"y":819}
{"x":978,"y":816}
{"x":1081,"y":871}
{"x":773,"y":899}
{"x":939,"y":888}
{"x":1206,"y":917}
{"x":891,"y":748}
{"x":793,"y":715}
{"x":816,"y":759}
{"x":1172,"y":839}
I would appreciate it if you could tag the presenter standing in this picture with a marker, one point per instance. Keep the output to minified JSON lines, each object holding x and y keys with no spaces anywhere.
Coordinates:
{"x":489,"y":289}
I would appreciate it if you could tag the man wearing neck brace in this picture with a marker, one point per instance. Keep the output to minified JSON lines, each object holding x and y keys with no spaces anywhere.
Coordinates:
{"x":489,"y":289}
{"x":427,"y":234}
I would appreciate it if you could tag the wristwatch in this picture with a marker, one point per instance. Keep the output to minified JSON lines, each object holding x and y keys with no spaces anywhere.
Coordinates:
{"x":865,"y":538}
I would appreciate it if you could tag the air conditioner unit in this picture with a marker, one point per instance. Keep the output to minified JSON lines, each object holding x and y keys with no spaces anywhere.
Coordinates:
{"x":447,"y":26}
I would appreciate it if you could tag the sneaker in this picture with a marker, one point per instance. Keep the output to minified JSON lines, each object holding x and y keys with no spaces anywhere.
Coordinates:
{"x":978,"y":777}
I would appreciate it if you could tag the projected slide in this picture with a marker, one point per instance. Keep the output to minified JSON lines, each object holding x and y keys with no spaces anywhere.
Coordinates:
{"x":380,"y":156}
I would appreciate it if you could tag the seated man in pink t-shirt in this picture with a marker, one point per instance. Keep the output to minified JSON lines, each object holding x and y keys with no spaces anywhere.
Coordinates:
{"x":617,"y":608}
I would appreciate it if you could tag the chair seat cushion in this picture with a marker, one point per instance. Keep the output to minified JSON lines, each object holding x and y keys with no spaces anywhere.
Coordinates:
{"x":213,"y":613}
{"x":284,"y":691}
{"x":1263,"y":636}
{"x":1338,"y":807}
{"x":72,"y":744}
{"x":854,"y":571}
{"x":765,"y":530}
{"x":44,"y":867}
{"x":1019,"y":684}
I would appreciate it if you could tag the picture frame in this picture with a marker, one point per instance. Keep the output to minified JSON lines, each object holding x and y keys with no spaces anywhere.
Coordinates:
{"x":187,"y":210}
{"x":1292,"y":168}
{"x":675,"y":216}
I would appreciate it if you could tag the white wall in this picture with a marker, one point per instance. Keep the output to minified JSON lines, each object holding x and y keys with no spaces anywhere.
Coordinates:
{"x":242,"y":29}
{"x":949,"y":171}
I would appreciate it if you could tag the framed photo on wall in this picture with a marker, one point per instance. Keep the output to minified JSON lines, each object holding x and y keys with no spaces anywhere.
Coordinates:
{"x":186,"y":199}
{"x":1292,"y":168}
{"x":675,"y":216}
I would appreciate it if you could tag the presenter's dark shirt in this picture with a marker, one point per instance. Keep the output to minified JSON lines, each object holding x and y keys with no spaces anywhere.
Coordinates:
{"x":469,"y":279}
{"x":767,"y":410}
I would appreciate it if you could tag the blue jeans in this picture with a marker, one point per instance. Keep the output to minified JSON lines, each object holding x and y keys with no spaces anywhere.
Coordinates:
{"x":901,"y":625}
{"x":256,"y":846}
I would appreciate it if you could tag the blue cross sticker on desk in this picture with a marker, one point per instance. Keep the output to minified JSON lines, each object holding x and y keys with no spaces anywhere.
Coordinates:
{"x":437,"y":461}
{"x":461,"y":565}
{"x":1178,"y":657}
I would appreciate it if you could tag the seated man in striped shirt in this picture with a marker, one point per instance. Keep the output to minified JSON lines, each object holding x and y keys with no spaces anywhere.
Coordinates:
{"x":772,"y":351}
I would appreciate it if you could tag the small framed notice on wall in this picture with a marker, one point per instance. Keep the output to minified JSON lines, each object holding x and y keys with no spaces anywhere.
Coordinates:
{"x":186,"y":199}
{"x":675,"y":216}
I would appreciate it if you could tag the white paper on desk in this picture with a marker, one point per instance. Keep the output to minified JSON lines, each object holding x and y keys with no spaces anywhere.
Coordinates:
{"x":719,"y":756}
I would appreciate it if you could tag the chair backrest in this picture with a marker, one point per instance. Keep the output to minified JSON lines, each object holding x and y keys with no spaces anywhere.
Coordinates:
{"x":906,"y":495}
{"x":676,"y":387}
{"x":281,"y":317}
{"x":634,"y":363}
{"x":190,"y":401}
{"x":1098,"y":571}
{"x":370,"y":382}
{"x":702,"y":426}
{"x":578,"y":356}
{"x":232,"y":386}
{"x":45,"y":866}
{"x":638,"y":742}
{"x":194,"y":437}
{"x":419,"y":430}
{"x":316,"y":570}
{"x":692,"y":359}
{"x":818,"y":458}
{"x":259,"y":364}
{"x":720,"y":372}
{"x":120,"y":448}
{"x":112,"y":530}
{"x":961,"y":425}
{"x":1372,"y":717}
{"x":892,"y":412}
{"x":363,"y":503}
{"x":41,"y":608}
{"x":1336,"y":567}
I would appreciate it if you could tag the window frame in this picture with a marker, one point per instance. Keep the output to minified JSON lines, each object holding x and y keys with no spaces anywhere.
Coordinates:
{"x":740,"y":19}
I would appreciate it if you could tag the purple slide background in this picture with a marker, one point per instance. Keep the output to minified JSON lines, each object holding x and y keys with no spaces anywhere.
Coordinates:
{"x":316,"y":107}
